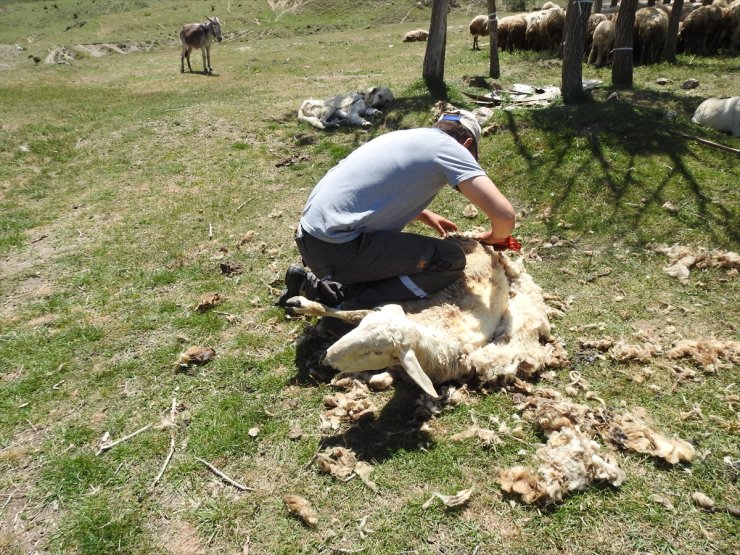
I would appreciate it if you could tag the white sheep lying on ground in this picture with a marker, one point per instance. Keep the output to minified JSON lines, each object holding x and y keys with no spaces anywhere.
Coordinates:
{"x":490,"y":324}
{"x":722,"y":114}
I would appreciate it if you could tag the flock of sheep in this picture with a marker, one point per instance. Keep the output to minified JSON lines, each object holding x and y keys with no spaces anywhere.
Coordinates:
{"x":703,"y":30}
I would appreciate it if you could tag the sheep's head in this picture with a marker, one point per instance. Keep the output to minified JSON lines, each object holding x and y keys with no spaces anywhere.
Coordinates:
{"x":383,"y":338}
{"x":379,"y":97}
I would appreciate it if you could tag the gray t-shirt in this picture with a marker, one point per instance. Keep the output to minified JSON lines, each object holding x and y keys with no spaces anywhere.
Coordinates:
{"x":385,"y":184}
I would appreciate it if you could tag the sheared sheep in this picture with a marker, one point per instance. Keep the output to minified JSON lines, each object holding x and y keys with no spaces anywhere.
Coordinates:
{"x":478,"y":28}
{"x":490,"y":324}
{"x":722,"y":114}
{"x":417,"y":35}
{"x":602,"y":44}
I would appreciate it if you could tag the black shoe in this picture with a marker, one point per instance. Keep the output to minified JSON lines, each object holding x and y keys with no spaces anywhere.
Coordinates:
{"x":295,"y":278}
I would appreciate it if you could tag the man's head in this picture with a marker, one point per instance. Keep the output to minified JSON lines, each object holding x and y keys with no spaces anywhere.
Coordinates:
{"x":462,"y":126}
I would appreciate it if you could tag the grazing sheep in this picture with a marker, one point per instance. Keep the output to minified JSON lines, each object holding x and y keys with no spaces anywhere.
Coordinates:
{"x":478,"y":28}
{"x":533,"y":35}
{"x":490,"y":324}
{"x":593,"y":21}
{"x":418,"y":35}
{"x":651,"y":30}
{"x":552,"y":27}
{"x":722,"y":114}
{"x":199,"y":35}
{"x":702,"y":31}
{"x":602,"y":43}
{"x":511,"y":33}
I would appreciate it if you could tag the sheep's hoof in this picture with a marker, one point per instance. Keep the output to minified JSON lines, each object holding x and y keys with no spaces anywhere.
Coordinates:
{"x":295,"y":303}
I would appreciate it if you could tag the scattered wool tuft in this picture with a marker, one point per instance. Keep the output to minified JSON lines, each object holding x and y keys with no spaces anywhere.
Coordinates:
{"x":337,"y":461}
{"x":302,"y":508}
{"x":642,"y":353}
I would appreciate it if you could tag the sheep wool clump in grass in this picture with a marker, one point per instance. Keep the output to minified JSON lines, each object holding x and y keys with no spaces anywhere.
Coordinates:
{"x":571,"y":461}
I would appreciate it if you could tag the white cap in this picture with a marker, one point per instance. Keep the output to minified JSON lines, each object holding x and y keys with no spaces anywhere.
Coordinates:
{"x":466,"y":119}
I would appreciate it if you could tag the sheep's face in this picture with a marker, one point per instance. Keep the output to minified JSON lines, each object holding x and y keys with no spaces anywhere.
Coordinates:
{"x":383,"y":338}
{"x":379,"y":341}
{"x":381,"y":97}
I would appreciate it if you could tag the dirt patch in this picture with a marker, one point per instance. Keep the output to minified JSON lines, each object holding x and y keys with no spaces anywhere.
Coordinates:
{"x":179,"y":537}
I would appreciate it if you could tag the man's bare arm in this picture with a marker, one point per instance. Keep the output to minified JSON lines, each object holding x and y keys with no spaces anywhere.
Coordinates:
{"x":482,"y":192}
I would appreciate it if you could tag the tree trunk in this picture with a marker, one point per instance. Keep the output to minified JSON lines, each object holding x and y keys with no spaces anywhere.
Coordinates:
{"x":494,"y":69}
{"x":598,"y":6}
{"x":623,"y":56}
{"x":669,"y":50}
{"x":576,"y":19}
{"x":434,"y":59}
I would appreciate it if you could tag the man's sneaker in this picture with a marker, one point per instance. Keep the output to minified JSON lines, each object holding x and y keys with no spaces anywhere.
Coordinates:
{"x":295,"y":278}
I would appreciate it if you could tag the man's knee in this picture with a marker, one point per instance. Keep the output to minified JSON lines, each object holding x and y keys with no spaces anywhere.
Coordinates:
{"x":450,"y":257}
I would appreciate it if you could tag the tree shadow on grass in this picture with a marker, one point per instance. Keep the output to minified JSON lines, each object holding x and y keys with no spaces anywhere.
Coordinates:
{"x":617,"y":138}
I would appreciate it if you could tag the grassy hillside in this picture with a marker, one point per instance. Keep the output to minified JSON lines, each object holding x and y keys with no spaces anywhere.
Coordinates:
{"x":128,"y":191}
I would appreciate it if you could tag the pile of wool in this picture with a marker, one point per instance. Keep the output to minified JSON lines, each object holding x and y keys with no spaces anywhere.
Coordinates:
{"x":570,"y":461}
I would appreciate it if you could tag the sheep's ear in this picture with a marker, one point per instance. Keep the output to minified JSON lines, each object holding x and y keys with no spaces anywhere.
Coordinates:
{"x":411,"y":364}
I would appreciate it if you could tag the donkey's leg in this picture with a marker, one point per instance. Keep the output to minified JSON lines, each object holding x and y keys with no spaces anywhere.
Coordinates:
{"x":187,"y":55}
{"x":301,"y":305}
{"x":205,"y":63}
{"x":182,"y":58}
{"x":208,"y":57}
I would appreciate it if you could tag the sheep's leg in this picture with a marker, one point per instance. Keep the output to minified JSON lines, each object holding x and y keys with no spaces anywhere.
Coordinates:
{"x":356,"y":119}
{"x":301,"y":305}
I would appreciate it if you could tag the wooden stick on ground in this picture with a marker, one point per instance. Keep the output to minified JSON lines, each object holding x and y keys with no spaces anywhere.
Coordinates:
{"x":223,"y":476}
{"x":112,"y":444}
{"x":166,"y":461}
{"x":710,"y":143}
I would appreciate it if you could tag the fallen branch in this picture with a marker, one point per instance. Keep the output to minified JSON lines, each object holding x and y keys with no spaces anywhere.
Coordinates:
{"x":223,"y":476}
{"x":709,"y":143}
{"x":112,"y":444}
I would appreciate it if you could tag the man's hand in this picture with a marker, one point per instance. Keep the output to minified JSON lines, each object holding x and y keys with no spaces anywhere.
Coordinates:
{"x":499,"y":244}
{"x":440,"y":224}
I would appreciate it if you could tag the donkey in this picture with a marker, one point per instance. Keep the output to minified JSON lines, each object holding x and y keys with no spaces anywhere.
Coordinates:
{"x":199,"y":35}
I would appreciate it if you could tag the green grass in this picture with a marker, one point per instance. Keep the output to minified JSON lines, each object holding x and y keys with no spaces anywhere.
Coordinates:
{"x":125,"y":185}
